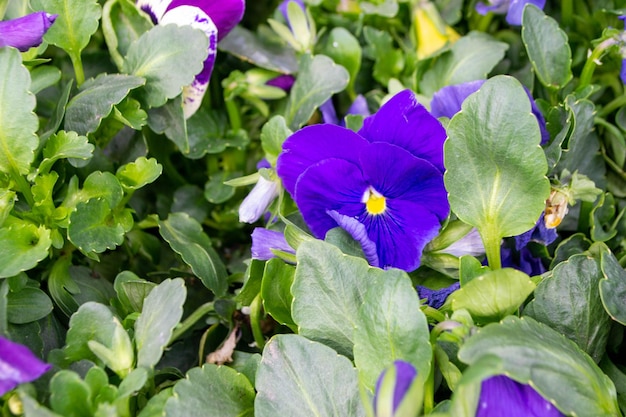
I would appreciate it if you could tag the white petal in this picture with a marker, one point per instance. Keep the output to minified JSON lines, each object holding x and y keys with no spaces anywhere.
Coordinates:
{"x":156,"y":8}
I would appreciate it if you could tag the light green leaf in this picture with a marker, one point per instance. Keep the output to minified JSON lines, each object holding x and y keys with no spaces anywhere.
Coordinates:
{"x":70,"y":395}
{"x":532,"y":352}
{"x":186,"y":237}
{"x":493,"y":295}
{"x":23,"y":246}
{"x":77,"y":21}
{"x":153,"y":329}
{"x":273,"y":134}
{"x":391,"y":327}
{"x":168,"y":57}
{"x":345,"y":50}
{"x":613,"y":288}
{"x":33,"y":409}
{"x":219,"y":391}
{"x":28,"y":304}
{"x":547,"y":47}
{"x":319,"y":78}
{"x":470,"y":58}
{"x":96,"y":99}
{"x":94,"y":227}
{"x":43,"y":77}
{"x":122,"y":24}
{"x":276,"y":290}
{"x":495,"y":169}
{"x":18,"y":123}
{"x":135,"y":175}
{"x":131,"y":291}
{"x":65,"y":145}
{"x":301,"y":378}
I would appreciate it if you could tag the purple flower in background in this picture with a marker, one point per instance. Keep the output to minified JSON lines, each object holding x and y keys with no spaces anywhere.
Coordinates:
{"x":18,"y":365}
{"x":284,"y":82}
{"x":622,"y":73}
{"x":216,"y":18}
{"x":436,"y":298}
{"x":283,"y":9}
{"x":264,"y":240}
{"x":514,"y":9}
{"x":27,"y":31}
{"x":358,"y":107}
{"x":448,"y":100}
{"x":502,"y":396}
{"x":521,"y":256}
{"x":395,"y":384}
{"x":383,"y":184}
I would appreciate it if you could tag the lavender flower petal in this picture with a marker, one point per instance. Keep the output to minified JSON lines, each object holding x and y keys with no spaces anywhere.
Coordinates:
{"x":405,"y":375}
{"x":27,"y":31}
{"x":18,"y":365}
{"x":516,"y":10}
{"x":448,"y":100}
{"x":358,"y":232}
{"x":263,"y":241}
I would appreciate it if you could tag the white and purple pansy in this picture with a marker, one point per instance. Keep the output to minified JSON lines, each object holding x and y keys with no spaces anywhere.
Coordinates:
{"x":513,"y":9}
{"x":26,"y":31}
{"x":382,"y":184}
{"x":216,"y":18}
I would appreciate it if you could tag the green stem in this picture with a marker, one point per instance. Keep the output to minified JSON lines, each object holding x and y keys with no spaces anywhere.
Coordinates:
{"x":233,"y":114}
{"x":492,"y":243}
{"x":429,"y":389}
{"x":567,"y":12}
{"x":583,"y":217}
{"x":614,"y":104}
{"x":592,"y":63}
{"x":255,"y":321}
{"x":193,"y":318}
{"x":77,"y":63}
{"x":23,"y":187}
{"x":484,"y":22}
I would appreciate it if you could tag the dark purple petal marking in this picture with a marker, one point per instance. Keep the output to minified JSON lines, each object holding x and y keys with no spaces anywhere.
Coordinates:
{"x":226,"y":14}
{"x":27,"y":31}
{"x":18,"y":365}
{"x":436,"y":298}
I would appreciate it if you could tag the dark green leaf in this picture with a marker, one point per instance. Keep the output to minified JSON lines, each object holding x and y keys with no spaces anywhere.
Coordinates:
{"x":43,"y":77}
{"x":122,"y":24}
{"x":27,"y":305}
{"x":276,"y":290}
{"x":94,"y":227}
{"x":613,"y":287}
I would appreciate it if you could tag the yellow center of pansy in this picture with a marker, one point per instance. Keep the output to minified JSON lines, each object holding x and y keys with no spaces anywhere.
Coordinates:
{"x":375,"y":203}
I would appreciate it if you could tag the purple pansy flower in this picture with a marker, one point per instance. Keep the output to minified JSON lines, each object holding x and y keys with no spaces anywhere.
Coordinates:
{"x":448,"y":100}
{"x":521,"y":256}
{"x":502,"y":396}
{"x":27,"y":31}
{"x":264,"y":240}
{"x":622,"y":73}
{"x":392,"y":388}
{"x":216,"y":18}
{"x":18,"y":365}
{"x":514,"y":9}
{"x":383,"y":184}
{"x":283,"y":81}
{"x":436,"y":298}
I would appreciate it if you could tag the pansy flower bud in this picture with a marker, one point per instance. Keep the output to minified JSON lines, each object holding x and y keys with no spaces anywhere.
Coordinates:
{"x":27,"y":31}
{"x":398,"y":391}
{"x":18,"y":365}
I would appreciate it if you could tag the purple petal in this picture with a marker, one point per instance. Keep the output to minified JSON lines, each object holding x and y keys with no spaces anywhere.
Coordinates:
{"x":263,"y":163}
{"x":405,"y":375}
{"x":545,"y":135}
{"x":539,"y":233}
{"x":516,"y":10}
{"x":226,"y":14}
{"x":448,"y":100}
{"x":313,"y":144}
{"x":358,"y":232}
{"x":283,"y":9}
{"x":264,"y":240}
{"x":522,"y":260}
{"x":27,"y":31}
{"x":18,"y":365}
{"x":436,"y":298}
{"x":332,"y":184}
{"x":329,"y":114}
{"x":502,"y":396}
{"x":284,"y":82}
{"x":494,"y":6}
{"x":359,"y":107}
{"x":402,"y":121}
{"x":622,"y":73}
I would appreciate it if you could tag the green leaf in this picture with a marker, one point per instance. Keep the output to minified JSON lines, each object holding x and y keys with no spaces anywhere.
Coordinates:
{"x":494,"y":294}
{"x":33,"y":409}
{"x":532,"y":352}
{"x":343,"y":48}
{"x":215,"y":191}
{"x":470,"y":58}
{"x":70,"y":396}
{"x":388,"y":61}
{"x":43,"y":77}
{"x":28,"y":304}
{"x":319,"y":78}
{"x":276,"y":290}
{"x":102,"y":185}
{"x":23,"y":246}
{"x":328,"y":291}
{"x":153,"y":329}
{"x":96,"y":99}
{"x":130,"y":113}
{"x":94,"y":227}
{"x":168,"y":57}
{"x":391,"y":327}
{"x":273,"y":134}
{"x":569,"y":302}
{"x":63,"y":145}
{"x":135,"y":175}
{"x":92,"y":321}
{"x":122,"y":24}
{"x":298,"y":377}
{"x":219,"y":391}
{"x":18,"y":123}
{"x":547,"y":47}
{"x":131,"y":291}
{"x":77,"y":21}
{"x":613,"y":287}
{"x":602,"y":218}
{"x":186,"y":237}
{"x":495,"y":169}
{"x":169,"y":119}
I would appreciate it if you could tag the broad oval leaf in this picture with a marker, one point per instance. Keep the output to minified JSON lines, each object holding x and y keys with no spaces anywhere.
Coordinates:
{"x":276,"y":290}
{"x":613,"y":287}
{"x":495,"y":169}
{"x":532,"y":352}
{"x":186,"y":237}
{"x":18,"y":123}
{"x":153,"y":328}
{"x":168,"y":57}
{"x":23,"y":246}
{"x":391,"y":327}
{"x":96,"y":99}
{"x":92,"y":321}
{"x":547,"y":47}
{"x":27,"y":305}
{"x":219,"y":391}
{"x":301,"y":378}
{"x":318,"y":79}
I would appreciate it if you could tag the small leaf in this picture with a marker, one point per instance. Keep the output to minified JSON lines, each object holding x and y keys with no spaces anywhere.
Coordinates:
{"x":186,"y":237}
{"x":219,"y":391}
{"x":18,"y":141}
{"x":343,"y":48}
{"x":273,"y":134}
{"x":63,"y":145}
{"x":135,"y":175}
{"x":153,"y":329}
{"x":613,"y":288}
{"x":168,"y":57}
{"x":215,"y":191}
{"x":276,"y":290}
{"x":169,"y":119}
{"x":132,"y":290}
{"x":319,"y":78}
{"x":70,"y":395}
{"x":94,"y":227}
{"x":547,"y":47}
{"x":43,"y":77}
{"x":301,"y":378}
{"x":23,"y":246}
{"x":27,"y":305}
{"x":92,"y":321}
{"x":96,"y":99}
